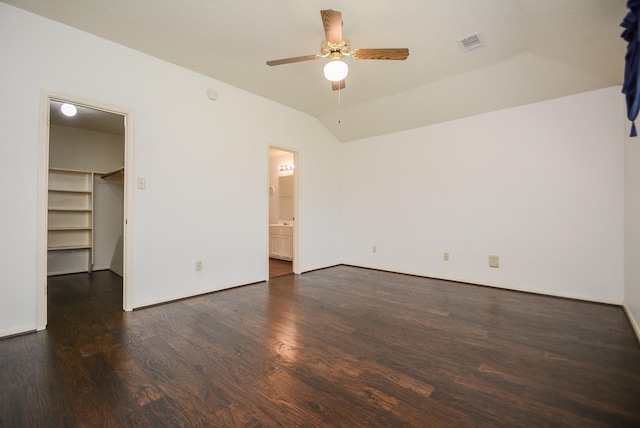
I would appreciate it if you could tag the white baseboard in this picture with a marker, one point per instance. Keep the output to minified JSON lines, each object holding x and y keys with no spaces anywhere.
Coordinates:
{"x":65,"y":272}
{"x":14,"y":331}
{"x":70,"y":271}
{"x":493,"y":285}
{"x":633,"y":321}
{"x":542,"y":292}
{"x":187,"y":295}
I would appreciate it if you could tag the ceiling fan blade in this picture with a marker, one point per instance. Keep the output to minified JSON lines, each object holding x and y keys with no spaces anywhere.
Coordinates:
{"x":338,"y":85}
{"x":392,"y":53}
{"x":294,"y":59}
{"x":332,"y":21}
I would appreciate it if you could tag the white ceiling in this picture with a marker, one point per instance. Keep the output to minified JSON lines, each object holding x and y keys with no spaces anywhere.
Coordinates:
{"x":535,"y":50}
{"x":87,"y":118}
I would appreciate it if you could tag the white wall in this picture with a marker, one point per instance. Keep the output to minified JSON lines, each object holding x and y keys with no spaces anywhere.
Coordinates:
{"x":632,"y":228}
{"x":108,"y":223}
{"x":73,"y":148}
{"x":540,"y":185}
{"x":193,"y":152}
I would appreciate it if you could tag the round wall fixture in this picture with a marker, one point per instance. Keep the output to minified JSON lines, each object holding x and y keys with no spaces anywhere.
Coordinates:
{"x":212,"y":94}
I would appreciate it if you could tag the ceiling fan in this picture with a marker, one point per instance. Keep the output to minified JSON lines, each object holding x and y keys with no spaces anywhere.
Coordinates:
{"x":335,"y":48}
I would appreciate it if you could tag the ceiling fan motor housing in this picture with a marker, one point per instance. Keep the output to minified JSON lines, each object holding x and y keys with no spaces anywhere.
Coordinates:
{"x":328,"y":49}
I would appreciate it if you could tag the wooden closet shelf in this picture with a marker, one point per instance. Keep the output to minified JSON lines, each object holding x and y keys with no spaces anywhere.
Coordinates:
{"x":70,"y":214}
{"x":88,"y":210}
{"x":70,"y":191}
{"x":70,"y":228}
{"x":70,"y":247}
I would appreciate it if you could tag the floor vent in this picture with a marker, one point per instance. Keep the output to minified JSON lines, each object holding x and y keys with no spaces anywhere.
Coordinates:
{"x":470,"y":42}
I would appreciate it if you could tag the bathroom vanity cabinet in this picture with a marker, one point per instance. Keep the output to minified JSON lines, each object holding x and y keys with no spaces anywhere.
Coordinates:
{"x":281,"y":242}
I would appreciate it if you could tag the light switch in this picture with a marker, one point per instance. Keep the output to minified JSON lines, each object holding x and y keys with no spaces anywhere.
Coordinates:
{"x":142,"y":183}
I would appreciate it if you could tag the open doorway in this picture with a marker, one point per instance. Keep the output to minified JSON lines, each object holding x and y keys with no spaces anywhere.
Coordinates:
{"x":282,"y":212}
{"x":82,"y":194}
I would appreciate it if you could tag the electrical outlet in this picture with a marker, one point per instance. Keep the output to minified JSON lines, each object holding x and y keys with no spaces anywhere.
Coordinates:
{"x":374,"y":249}
{"x":198,"y":265}
{"x":494,"y":261}
{"x":446,"y":257}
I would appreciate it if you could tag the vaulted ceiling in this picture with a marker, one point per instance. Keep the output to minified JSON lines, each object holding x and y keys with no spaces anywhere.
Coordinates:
{"x":534,"y":50}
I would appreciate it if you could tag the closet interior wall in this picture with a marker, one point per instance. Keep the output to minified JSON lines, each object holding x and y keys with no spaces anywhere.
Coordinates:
{"x":78,"y":149}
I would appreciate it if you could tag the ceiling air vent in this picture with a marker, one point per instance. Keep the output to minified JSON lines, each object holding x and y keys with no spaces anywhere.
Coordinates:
{"x":470,"y":42}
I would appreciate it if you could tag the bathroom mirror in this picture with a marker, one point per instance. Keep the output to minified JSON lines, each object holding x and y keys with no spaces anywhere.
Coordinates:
{"x":285,"y":184}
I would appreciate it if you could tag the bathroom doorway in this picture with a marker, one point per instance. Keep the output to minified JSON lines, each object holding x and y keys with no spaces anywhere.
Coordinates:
{"x":282,"y":212}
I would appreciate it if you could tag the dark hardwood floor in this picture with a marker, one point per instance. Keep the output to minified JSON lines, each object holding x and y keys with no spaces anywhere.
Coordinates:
{"x":343,"y":347}
{"x":279,"y":267}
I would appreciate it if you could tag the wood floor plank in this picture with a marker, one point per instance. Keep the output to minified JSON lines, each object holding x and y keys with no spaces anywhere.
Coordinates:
{"x":343,"y":346}
{"x":280,"y":267}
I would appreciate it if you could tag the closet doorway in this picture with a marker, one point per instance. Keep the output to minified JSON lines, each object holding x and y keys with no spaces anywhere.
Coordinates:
{"x":84,"y":149}
{"x":282,"y":212}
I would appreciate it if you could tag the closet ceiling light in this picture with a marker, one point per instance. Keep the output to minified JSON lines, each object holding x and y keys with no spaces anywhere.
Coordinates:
{"x":68,"y":109}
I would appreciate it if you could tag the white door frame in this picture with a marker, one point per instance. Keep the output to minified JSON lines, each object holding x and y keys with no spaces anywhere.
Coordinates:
{"x":296,"y":222}
{"x":46,"y":96}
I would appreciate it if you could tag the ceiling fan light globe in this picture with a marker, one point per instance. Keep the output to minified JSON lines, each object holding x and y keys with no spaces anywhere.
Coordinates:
{"x":336,"y":70}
